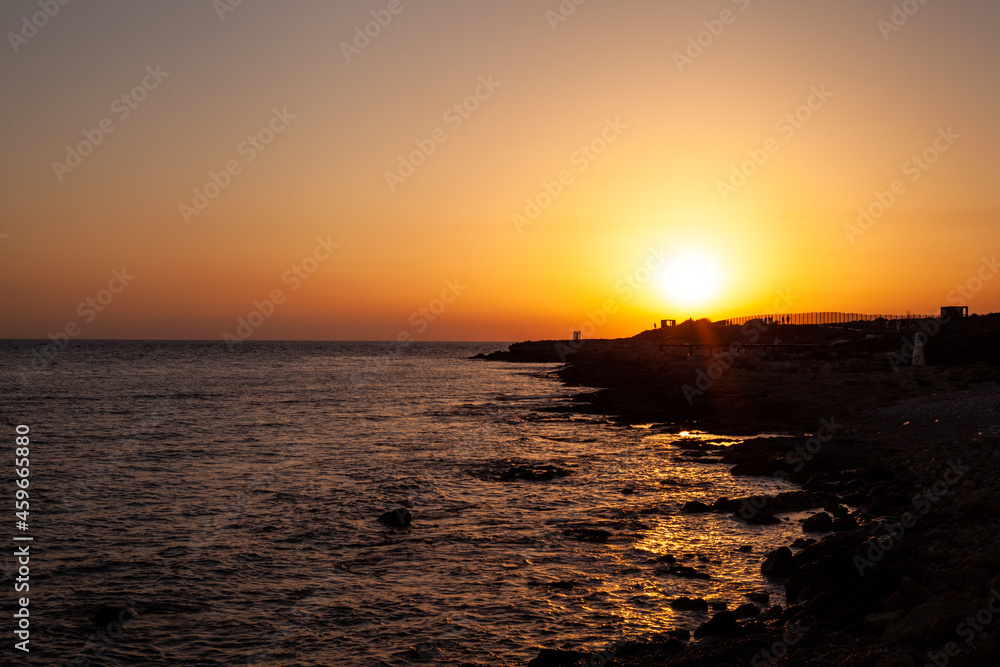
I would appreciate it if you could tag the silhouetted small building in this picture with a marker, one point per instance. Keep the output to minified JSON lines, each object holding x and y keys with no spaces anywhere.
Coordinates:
{"x":667,"y":323}
{"x":953,"y":317}
{"x":954,"y":313}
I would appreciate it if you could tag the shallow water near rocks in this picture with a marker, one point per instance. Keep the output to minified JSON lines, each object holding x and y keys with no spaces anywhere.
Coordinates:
{"x":232,"y":499}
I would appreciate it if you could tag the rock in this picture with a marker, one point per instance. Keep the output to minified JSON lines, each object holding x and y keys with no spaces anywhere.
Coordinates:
{"x":628,"y":490}
{"x":762,"y":518}
{"x":723,"y":623}
{"x":532,"y":473}
{"x":748,"y":610}
{"x":760,"y":597}
{"x":588,"y":534}
{"x":695,"y":507}
{"x":106,"y":614}
{"x":726,"y":505}
{"x":932,"y":622}
{"x":680,"y":633}
{"x":908,"y":595}
{"x":779,"y":563}
{"x":803,"y":542}
{"x":818,"y":523}
{"x":795,"y":584}
{"x":689,"y":604}
{"x":745,"y":549}
{"x":398,"y":518}
{"x":904,"y":658}
{"x":720,"y":605}
{"x":876,"y":624}
{"x":844,"y":524}
{"x":771,"y":614}
{"x":551,"y":657}
{"x":687,"y":572}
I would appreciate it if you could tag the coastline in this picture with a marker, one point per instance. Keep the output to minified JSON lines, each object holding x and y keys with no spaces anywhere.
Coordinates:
{"x":898,"y":465}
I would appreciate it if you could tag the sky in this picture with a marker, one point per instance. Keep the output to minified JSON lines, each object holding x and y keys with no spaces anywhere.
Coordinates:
{"x":490,"y":170}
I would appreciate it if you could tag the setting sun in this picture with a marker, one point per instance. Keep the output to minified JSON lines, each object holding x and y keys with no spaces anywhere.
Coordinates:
{"x":691,"y":278}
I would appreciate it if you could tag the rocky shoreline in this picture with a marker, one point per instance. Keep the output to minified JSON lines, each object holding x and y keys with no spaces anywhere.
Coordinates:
{"x":899,"y":563}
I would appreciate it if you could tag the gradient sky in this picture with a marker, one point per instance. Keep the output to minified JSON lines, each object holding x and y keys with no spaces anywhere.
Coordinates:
{"x":672,"y":132}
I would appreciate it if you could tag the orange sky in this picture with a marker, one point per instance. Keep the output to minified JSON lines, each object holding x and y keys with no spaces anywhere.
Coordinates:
{"x":614,"y":122}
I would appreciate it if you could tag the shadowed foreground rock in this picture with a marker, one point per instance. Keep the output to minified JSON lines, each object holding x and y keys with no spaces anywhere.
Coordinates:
{"x":903,"y":489}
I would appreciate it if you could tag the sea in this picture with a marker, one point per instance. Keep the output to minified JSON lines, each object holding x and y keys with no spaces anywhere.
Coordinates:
{"x":193,"y":504}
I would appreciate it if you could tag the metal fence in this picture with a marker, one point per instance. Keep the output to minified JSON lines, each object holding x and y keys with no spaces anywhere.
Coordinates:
{"x":825,"y":317}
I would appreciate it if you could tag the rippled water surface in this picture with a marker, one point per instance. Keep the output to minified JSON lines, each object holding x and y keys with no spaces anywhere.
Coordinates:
{"x":231,"y":500}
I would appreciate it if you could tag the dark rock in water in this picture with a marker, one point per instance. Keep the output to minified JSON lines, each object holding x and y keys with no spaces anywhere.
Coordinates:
{"x":779,"y":563}
{"x":685,"y":572}
{"x":845,"y":523}
{"x":745,"y":549}
{"x":803,"y":542}
{"x":761,"y":597}
{"x":695,"y":507}
{"x":748,"y":610}
{"x":666,"y":559}
{"x":551,"y":657}
{"x":628,"y":490}
{"x":588,"y":534}
{"x":689,"y":604}
{"x":723,"y":623}
{"x":106,"y":614}
{"x":680,"y":633}
{"x":720,"y":605}
{"x":818,"y":523}
{"x":561,"y":585}
{"x":796,"y":583}
{"x":762,"y":519}
{"x":726,"y":505}
{"x":398,"y":518}
{"x":532,"y":473}
{"x":771,"y":614}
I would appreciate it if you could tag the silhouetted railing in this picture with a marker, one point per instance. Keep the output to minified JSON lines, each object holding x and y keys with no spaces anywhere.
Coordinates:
{"x":828,"y":317}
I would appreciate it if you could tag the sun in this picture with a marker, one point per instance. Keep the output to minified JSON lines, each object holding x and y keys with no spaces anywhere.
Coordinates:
{"x":691,"y":278}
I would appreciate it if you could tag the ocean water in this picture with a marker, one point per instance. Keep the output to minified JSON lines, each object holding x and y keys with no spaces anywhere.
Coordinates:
{"x":224,"y":505}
